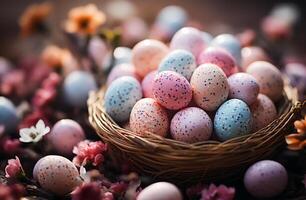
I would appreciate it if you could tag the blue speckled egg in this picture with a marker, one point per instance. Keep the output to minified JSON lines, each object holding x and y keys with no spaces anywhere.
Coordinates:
{"x":76,"y":87}
{"x":8,"y":115}
{"x":180,"y":61}
{"x":232,"y":119}
{"x":121,"y":96}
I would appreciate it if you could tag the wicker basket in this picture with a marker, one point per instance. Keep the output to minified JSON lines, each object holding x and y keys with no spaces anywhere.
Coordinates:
{"x":171,"y":160}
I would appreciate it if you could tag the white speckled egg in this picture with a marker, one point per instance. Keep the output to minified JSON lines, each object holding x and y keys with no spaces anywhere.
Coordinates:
{"x":124,"y":69}
{"x":210,"y":87}
{"x":243,"y":86}
{"x":233,"y":118}
{"x":56,"y":174}
{"x":148,"y":116}
{"x":191,"y":125}
{"x":266,"y":179}
{"x":180,"y":61}
{"x":160,"y":191}
{"x":268,"y":77}
{"x":147,"y":84}
{"x":147,"y":54}
{"x":171,"y":90}
{"x":263,"y":112}
{"x":121,"y":96}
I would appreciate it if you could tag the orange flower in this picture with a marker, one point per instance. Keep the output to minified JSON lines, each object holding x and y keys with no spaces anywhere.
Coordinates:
{"x":55,"y":57}
{"x":297,"y":141}
{"x":84,"y":20}
{"x":33,"y":18}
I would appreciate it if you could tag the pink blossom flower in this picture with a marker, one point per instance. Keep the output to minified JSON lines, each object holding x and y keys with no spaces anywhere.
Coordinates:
{"x":11,"y":146}
{"x":13,"y":168}
{"x":32,"y":118}
{"x":90,"y":191}
{"x":87,"y":151}
{"x":221,"y":192}
{"x":11,"y":192}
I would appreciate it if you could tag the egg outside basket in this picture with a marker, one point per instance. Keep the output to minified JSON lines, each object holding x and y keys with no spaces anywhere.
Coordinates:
{"x":171,"y":160}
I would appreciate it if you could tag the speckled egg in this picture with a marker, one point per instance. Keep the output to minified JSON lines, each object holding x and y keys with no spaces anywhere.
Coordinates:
{"x":64,"y":135}
{"x":121,"y":96}
{"x":122,"y":55}
{"x":124,"y":69}
{"x":180,"y":61}
{"x":233,"y":118}
{"x":266,"y":179}
{"x":56,"y":174}
{"x":160,"y":191}
{"x":219,"y":57}
{"x":230,"y":43}
{"x":243,"y":86}
{"x":191,"y":125}
{"x":263,"y":112}
{"x":296,"y":73}
{"x":76,"y":87}
{"x":147,"y":84}
{"x":171,"y":90}
{"x":252,"y":54}
{"x":148,"y":116}
{"x":210,"y":87}
{"x":268,"y":77}
{"x":190,"y":39}
{"x":147,"y":54}
{"x":8,"y":115}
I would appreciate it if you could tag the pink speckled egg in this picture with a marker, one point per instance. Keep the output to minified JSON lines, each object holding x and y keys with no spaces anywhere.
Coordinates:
{"x":268,"y":77}
{"x":64,"y":135}
{"x":160,"y":191}
{"x":252,"y":54}
{"x":56,"y":174}
{"x":172,"y":90}
{"x":243,"y":86}
{"x":124,"y":69}
{"x":147,"y":84}
{"x":210,"y":86}
{"x":219,"y":57}
{"x":191,"y":125}
{"x":190,"y":39}
{"x":147,"y":54}
{"x":263,"y":112}
{"x":148,"y":116}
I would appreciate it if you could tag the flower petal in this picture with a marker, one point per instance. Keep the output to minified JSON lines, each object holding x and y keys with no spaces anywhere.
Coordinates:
{"x":40,"y":126}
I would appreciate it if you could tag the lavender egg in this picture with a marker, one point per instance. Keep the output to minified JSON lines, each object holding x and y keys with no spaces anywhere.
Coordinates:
{"x":56,"y":174}
{"x":77,"y":86}
{"x":233,"y":119}
{"x":64,"y":135}
{"x":190,"y":39}
{"x":266,"y":179}
{"x":171,"y":90}
{"x":147,"y":54}
{"x":180,"y":61}
{"x":148,"y":116}
{"x":263,"y":112}
{"x":210,"y":87}
{"x":120,"y":70}
{"x":269,"y":79}
{"x":243,"y":86}
{"x":147,"y":84}
{"x":8,"y":115}
{"x":121,"y":96}
{"x":160,"y":191}
{"x":191,"y":125}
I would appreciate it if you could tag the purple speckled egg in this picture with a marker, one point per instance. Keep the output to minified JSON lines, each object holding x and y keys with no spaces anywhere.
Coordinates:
{"x":243,"y":86}
{"x":124,"y":69}
{"x":219,"y":57}
{"x":266,"y":179}
{"x":64,"y":135}
{"x":148,"y":116}
{"x":56,"y":174}
{"x":263,"y":112}
{"x":147,"y":84}
{"x":252,"y":54}
{"x":160,"y":191}
{"x":147,"y":54}
{"x":171,"y":90}
{"x":210,"y":86}
{"x":191,"y":125}
{"x":268,"y":77}
{"x":190,"y":39}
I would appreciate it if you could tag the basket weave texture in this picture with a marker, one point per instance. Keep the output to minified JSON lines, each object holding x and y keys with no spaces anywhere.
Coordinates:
{"x":167,"y":159}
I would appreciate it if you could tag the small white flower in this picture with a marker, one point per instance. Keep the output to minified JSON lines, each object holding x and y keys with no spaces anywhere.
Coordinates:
{"x":34,"y":134}
{"x":83,"y":174}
